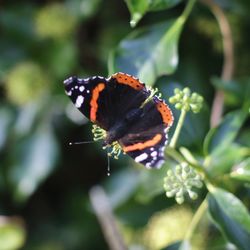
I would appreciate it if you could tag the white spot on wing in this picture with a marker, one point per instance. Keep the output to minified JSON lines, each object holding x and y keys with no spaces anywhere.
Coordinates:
{"x":81,"y":88}
{"x":79,"y":101}
{"x":141,"y":157}
{"x":68,"y":93}
{"x":154,"y":153}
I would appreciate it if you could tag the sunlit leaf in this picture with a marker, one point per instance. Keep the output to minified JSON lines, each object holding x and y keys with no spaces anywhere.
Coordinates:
{"x":242,"y":171}
{"x":222,"y":161}
{"x":149,"y":52}
{"x":138,"y":8}
{"x":231,"y":216}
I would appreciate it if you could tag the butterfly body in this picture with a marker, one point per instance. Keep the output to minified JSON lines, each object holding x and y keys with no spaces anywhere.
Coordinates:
{"x":127,"y":111}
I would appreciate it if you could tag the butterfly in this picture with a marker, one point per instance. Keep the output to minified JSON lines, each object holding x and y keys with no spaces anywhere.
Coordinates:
{"x":131,"y":114}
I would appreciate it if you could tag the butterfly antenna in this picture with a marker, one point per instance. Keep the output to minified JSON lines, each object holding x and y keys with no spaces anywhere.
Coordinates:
{"x":108,"y":160}
{"x":80,"y":142}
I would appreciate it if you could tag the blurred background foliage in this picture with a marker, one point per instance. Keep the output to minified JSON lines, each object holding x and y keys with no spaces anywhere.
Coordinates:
{"x":44,"y":183}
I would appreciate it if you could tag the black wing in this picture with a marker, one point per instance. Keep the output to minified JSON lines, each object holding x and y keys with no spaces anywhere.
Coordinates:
{"x":106,"y":100}
{"x":147,"y":139}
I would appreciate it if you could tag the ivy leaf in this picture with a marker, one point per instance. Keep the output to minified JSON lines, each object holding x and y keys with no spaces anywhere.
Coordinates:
{"x":242,"y":171}
{"x":220,"y":137}
{"x":231,"y":216}
{"x":36,"y":156}
{"x":149,"y":52}
{"x":138,"y":8}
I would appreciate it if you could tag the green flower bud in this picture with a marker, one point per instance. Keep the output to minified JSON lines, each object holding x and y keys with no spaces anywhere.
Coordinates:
{"x":186,"y":91}
{"x":173,"y":99}
{"x":178,"y":105}
{"x":193,"y":195}
{"x":26,"y":82}
{"x":55,"y":21}
{"x":170,"y":194}
{"x":179,"y":200}
{"x":177,"y":91}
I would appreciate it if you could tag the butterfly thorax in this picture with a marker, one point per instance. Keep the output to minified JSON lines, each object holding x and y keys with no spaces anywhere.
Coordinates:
{"x":121,"y":127}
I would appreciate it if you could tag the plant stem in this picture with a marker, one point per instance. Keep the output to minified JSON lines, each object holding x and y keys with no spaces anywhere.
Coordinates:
{"x":178,"y":129}
{"x":228,"y":64}
{"x":196,"y":219}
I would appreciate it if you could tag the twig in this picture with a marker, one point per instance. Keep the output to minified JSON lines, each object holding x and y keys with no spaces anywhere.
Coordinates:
{"x":228,"y":64}
{"x":101,"y":205}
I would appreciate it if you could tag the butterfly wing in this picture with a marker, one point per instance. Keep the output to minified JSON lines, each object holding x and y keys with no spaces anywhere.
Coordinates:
{"x":106,"y":100}
{"x":147,"y":139}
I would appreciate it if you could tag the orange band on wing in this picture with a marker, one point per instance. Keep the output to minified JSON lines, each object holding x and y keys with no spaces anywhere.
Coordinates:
{"x":166,"y":113}
{"x":93,"y":103}
{"x":140,"y":145}
{"x":126,"y":79}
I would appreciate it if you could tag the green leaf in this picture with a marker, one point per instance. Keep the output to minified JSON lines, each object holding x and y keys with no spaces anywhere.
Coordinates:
{"x":6,"y":118}
{"x":149,"y":52}
{"x":242,"y":171}
{"x":121,"y":186}
{"x":221,"y":162}
{"x":138,"y":8}
{"x":162,"y":4}
{"x":151,"y":183}
{"x":231,"y":216}
{"x":220,"y":137}
{"x":35,"y":160}
{"x":236,"y":92}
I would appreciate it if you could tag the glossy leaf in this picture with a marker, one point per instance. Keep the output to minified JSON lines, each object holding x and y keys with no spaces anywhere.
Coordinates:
{"x":149,"y":52}
{"x":221,"y":136}
{"x":231,"y":216}
{"x":138,"y":8}
{"x":36,"y":160}
{"x":221,"y":162}
{"x":242,"y":171}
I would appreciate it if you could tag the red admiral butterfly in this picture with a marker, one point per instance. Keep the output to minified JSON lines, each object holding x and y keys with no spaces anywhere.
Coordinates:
{"x":130,"y":113}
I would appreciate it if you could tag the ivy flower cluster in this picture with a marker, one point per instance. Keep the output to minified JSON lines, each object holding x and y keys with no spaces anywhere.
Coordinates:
{"x":181,"y":181}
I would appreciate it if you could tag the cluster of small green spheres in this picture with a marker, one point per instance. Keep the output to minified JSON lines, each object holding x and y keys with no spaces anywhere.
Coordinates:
{"x":180,"y":181}
{"x":55,"y":21}
{"x":25,"y":83}
{"x":185,"y":100}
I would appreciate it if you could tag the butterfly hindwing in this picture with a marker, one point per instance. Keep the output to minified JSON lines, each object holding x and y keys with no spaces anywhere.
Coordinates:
{"x":147,"y":138}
